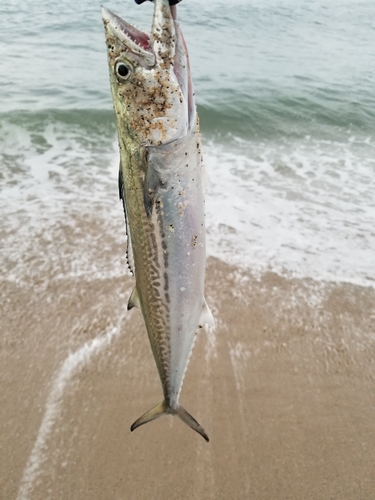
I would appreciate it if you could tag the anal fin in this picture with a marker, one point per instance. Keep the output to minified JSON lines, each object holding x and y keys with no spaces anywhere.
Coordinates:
{"x":206,"y":316}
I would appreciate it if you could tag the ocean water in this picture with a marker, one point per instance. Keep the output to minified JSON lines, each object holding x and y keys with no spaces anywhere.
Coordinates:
{"x":286,"y":96}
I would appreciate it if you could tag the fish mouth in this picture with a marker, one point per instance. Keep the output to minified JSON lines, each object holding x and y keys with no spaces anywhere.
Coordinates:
{"x":159,"y":46}
{"x":137,"y":41}
{"x":131,"y":32}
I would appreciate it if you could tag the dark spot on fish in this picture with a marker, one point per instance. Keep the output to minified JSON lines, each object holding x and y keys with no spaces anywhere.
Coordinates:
{"x":155,"y":272}
{"x":166,"y":283}
{"x":153,"y":239}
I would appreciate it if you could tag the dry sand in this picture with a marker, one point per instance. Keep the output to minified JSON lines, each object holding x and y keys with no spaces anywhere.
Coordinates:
{"x":284,"y":386}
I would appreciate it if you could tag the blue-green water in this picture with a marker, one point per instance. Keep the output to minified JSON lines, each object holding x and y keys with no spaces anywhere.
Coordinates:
{"x":285,"y":92}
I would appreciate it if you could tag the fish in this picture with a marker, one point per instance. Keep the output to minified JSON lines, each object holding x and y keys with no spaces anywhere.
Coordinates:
{"x":161,"y":185}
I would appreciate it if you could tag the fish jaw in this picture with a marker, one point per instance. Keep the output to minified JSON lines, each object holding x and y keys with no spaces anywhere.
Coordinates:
{"x":163,"y":36}
{"x":118,"y":30}
{"x":150,"y":78}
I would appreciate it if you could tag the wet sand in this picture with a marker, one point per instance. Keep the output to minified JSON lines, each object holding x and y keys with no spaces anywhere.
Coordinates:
{"x":284,"y":387}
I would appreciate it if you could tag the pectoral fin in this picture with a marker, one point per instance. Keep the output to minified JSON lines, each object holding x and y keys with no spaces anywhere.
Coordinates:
{"x":153,"y":183}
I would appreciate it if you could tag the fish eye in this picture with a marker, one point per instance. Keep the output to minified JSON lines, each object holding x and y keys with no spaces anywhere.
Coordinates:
{"x":123,"y":70}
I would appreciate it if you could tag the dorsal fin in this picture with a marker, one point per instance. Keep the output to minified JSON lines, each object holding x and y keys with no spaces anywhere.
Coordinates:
{"x":129,"y":248}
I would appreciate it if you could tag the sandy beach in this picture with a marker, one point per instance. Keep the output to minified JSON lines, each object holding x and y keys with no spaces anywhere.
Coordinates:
{"x":284,"y":387}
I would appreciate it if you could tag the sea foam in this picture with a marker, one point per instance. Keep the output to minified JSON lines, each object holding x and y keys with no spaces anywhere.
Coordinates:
{"x":304,"y":207}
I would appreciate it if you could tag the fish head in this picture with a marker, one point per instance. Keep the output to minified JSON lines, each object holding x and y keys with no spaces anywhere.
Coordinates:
{"x":150,"y":78}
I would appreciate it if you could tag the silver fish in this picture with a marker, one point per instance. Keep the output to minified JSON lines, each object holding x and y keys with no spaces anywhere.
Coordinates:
{"x":161,"y":185}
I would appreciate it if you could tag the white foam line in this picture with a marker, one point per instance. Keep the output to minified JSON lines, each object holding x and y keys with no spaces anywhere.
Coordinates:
{"x":72,"y":364}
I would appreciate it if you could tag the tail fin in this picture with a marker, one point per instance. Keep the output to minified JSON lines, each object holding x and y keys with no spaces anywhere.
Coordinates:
{"x":180,"y":411}
{"x":156,"y":412}
{"x":190,"y":421}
